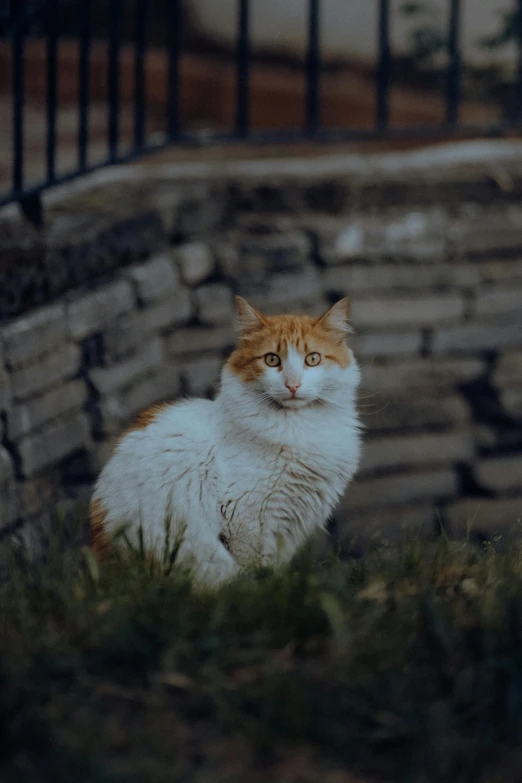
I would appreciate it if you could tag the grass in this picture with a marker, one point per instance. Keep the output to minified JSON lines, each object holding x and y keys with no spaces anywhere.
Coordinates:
{"x":405,"y":665}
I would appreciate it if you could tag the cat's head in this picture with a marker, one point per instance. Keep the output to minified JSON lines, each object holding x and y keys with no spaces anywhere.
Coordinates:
{"x":293,"y":361}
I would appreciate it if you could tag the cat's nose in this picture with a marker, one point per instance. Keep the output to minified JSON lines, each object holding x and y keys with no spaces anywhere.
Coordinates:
{"x":292,"y":387}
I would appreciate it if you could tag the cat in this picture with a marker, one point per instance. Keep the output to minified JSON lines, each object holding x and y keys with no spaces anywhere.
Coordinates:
{"x":247,"y":478}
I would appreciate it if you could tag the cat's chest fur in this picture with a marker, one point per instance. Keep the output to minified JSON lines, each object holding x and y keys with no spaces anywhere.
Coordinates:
{"x":271,"y":496}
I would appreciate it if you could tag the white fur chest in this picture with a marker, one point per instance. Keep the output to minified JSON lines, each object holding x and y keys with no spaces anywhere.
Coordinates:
{"x":274,"y":491}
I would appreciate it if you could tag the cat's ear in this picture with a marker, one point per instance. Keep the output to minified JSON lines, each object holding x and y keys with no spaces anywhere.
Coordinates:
{"x":247,"y":317}
{"x":336,"y":319}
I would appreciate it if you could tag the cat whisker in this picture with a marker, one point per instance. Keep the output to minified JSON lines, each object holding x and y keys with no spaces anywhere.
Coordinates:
{"x":369,"y":396}
{"x":366,"y":370}
{"x":371,"y":404}
{"x":374,"y":413}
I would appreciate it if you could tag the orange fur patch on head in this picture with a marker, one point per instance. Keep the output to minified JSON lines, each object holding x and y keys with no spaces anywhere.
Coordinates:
{"x":98,"y":536}
{"x":277,"y":334}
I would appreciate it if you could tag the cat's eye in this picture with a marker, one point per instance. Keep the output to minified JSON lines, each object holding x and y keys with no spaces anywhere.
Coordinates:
{"x":272,"y":359}
{"x":313,"y":359}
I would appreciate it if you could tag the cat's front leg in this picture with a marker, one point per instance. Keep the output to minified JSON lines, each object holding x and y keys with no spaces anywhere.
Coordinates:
{"x":210,"y":561}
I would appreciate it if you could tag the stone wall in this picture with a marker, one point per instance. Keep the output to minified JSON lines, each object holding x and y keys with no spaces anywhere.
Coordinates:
{"x":126,"y":299}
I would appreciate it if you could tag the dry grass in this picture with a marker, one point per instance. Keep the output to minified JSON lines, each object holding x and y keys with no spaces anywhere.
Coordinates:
{"x":401,"y":666}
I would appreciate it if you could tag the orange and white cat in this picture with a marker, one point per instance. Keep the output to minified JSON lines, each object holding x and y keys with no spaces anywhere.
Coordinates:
{"x":244,"y":479}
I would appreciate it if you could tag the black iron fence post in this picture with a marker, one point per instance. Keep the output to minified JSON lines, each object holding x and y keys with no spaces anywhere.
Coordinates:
{"x":115,"y":10}
{"x":139,"y":73}
{"x":383,"y":67}
{"x":18,"y":45}
{"x":174,"y":49}
{"x":518,"y":88}
{"x":454,"y":65}
{"x":312,"y":69}
{"x":52,"y":75}
{"x":83,"y":83}
{"x":243,"y":69}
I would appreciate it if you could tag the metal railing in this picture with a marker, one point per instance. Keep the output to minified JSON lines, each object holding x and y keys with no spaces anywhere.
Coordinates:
{"x":18,"y":18}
